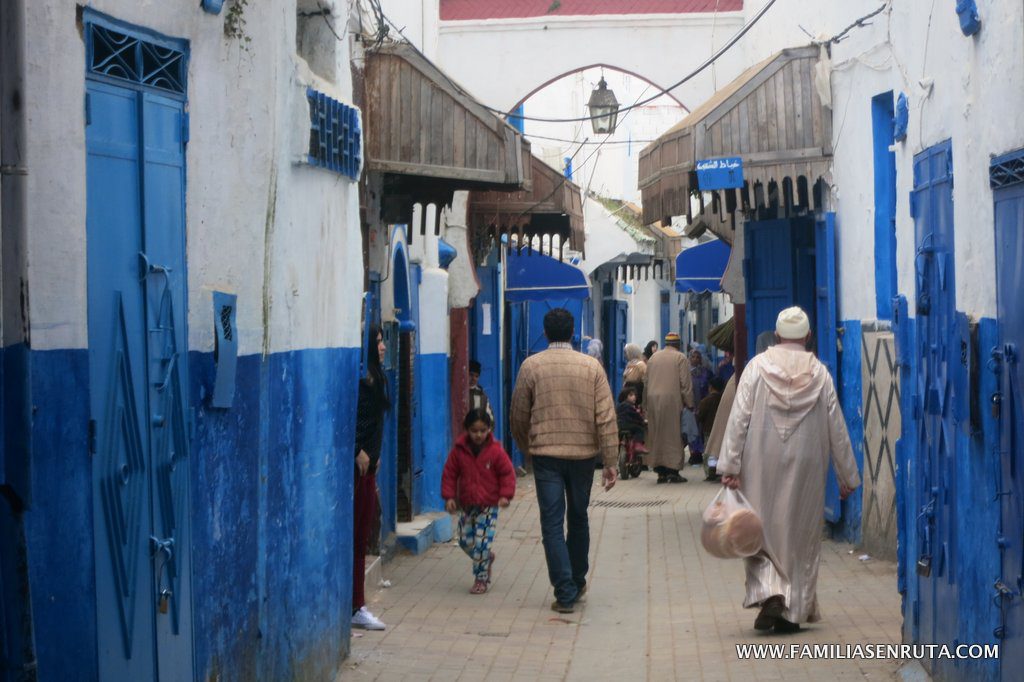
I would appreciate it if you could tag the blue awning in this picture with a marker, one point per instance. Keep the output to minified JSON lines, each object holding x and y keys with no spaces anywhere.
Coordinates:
{"x":532,"y":276}
{"x":700,"y":268}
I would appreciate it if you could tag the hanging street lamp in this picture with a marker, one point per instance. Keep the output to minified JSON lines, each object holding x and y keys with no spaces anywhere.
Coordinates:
{"x":604,"y":109}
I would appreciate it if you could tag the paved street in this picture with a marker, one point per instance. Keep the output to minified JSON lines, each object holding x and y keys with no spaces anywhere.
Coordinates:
{"x":659,"y":607}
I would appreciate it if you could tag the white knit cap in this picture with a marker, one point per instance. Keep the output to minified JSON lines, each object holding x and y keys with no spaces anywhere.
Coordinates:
{"x":792,"y":324}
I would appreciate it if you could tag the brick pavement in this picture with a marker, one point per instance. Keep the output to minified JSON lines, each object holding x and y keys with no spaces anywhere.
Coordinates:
{"x":659,"y":608}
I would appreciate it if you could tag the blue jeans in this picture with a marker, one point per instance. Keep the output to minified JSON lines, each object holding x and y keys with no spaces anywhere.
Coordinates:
{"x":563,"y":495}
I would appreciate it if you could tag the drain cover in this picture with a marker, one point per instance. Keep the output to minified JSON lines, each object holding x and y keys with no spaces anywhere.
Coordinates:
{"x":627,"y":504}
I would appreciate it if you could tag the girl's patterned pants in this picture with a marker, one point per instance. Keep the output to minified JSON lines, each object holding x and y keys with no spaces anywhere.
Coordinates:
{"x":476,"y":533}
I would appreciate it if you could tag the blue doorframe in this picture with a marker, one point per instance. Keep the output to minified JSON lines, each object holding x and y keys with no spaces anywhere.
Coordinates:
{"x":1009,"y":227}
{"x":136,"y":132}
{"x":931,"y":207}
{"x":883,"y":114}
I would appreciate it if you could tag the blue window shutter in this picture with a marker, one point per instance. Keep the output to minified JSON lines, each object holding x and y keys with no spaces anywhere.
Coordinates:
{"x":335,"y":136}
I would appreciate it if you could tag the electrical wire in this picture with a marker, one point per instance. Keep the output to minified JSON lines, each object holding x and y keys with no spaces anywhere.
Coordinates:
{"x":383,"y":18}
{"x":661,"y":91}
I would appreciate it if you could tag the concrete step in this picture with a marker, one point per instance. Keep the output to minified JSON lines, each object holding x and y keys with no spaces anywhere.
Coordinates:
{"x":418,"y":535}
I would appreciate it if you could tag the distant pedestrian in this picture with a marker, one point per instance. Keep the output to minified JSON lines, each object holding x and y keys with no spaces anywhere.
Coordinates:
{"x":478,"y":478}
{"x":713,"y":444}
{"x":650,"y":349}
{"x":667,"y":391}
{"x":636,"y":370}
{"x":594,"y":348}
{"x":785,"y":422}
{"x":725,"y":368}
{"x":562,"y":415}
{"x":700,"y":380}
{"x":478,"y":399}
{"x":372,"y":403}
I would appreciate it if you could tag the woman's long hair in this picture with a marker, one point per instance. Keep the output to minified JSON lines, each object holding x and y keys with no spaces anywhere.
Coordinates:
{"x":375,"y":377}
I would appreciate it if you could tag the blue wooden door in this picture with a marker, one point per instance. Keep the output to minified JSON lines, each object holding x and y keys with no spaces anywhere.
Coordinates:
{"x":615,"y":320}
{"x":825,"y":328}
{"x":769,"y":274}
{"x":932,"y":210}
{"x":140,"y":424}
{"x":1009,"y":224}
{"x":485,"y":341}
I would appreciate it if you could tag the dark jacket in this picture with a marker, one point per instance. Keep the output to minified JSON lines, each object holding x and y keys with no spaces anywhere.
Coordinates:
{"x":478,"y":480}
{"x":706,"y":412}
{"x":370,"y":410}
{"x":630,"y":419}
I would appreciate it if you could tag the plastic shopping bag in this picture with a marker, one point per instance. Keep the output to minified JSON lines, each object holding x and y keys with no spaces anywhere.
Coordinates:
{"x":731,"y":528}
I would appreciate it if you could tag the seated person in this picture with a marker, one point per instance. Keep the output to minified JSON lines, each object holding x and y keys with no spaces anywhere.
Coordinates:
{"x":631,"y":421}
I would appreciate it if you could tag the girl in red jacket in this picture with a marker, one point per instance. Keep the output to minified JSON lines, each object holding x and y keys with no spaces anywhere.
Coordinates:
{"x":478,"y":478}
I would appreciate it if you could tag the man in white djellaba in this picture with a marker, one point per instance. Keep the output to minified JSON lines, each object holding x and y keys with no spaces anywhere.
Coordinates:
{"x":784,"y":424}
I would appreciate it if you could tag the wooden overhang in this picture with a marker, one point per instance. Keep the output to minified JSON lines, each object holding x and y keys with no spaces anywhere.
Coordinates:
{"x":772,"y":117}
{"x":429,"y":137}
{"x":552,"y":207}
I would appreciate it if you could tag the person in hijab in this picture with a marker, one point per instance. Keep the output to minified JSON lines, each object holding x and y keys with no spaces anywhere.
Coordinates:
{"x":636,"y":371}
{"x":784,"y":426}
{"x":700,"y":377}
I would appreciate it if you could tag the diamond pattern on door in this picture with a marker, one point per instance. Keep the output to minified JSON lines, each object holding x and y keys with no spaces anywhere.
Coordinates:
{"x":881,"y":405}
{"x":122,"y":464}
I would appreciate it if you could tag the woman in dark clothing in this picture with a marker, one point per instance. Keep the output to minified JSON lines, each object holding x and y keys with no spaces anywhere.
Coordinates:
{"x":650,"y":349}
{"x":373,"y":403}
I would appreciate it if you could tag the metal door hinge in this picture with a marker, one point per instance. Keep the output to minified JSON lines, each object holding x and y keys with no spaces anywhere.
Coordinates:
{"x":184,"y":128}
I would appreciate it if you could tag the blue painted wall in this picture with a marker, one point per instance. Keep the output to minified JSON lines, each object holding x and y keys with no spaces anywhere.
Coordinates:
{"x":851,"y":399}
{"x":272,"y":508}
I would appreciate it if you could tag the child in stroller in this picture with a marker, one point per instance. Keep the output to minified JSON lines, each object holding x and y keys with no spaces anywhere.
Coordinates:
{"x":632,"y":427}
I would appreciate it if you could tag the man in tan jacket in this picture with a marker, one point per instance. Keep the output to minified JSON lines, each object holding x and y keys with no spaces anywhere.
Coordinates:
{"x":563,"y":416}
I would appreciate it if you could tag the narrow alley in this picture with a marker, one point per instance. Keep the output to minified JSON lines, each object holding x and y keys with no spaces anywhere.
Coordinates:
{"x":661,"y":608}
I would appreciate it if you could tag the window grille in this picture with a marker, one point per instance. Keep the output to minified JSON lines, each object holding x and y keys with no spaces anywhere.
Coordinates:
{"x":120,"y":55}
{"x":1007,"y":170}
{"x":335,"y":135}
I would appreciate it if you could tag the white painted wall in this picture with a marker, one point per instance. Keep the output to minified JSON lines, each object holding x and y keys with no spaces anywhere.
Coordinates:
{"x":977,"y":86}
{"x":527,"y":53}
{"x":419,"y":21}
{"x":259,"y":223}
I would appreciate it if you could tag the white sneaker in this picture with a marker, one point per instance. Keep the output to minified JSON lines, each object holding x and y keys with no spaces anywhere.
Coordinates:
{"x":366,"y":620}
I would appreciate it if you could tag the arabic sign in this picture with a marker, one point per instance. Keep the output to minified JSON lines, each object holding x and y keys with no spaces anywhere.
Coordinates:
{"x":724,"y":173}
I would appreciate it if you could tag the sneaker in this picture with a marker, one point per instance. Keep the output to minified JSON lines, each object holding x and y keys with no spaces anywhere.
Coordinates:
{"x":365,"y":620}
{"x":559,"y":607}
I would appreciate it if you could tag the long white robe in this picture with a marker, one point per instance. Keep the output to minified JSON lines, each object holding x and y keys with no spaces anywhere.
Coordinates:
{"x":785,"y":421}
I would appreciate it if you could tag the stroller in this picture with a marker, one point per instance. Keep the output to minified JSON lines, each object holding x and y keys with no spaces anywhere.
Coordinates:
{"x":631,"y":451}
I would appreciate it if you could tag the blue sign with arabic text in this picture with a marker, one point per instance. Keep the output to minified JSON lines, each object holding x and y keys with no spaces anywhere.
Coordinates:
{"x":723,"y":173}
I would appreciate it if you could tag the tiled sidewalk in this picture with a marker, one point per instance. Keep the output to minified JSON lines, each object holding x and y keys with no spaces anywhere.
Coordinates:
{"x":659,"y":607}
